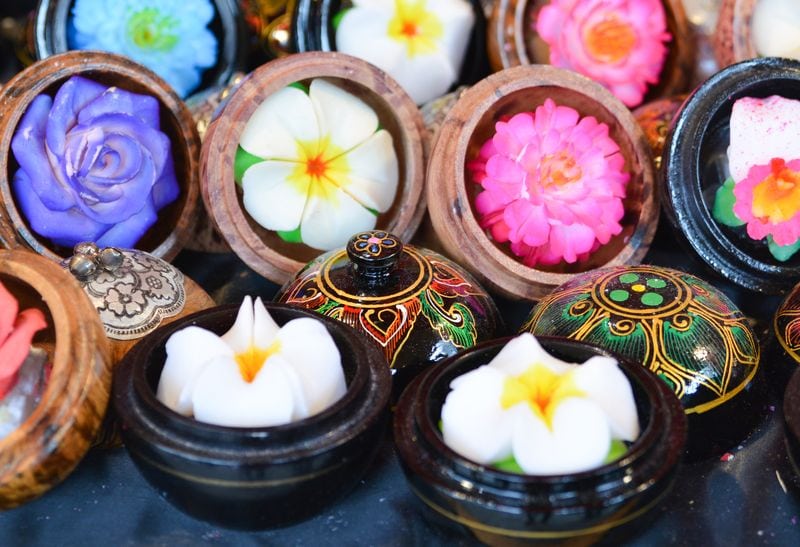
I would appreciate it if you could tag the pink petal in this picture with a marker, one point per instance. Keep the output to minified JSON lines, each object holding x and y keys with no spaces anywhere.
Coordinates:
{"x":17,"y":346}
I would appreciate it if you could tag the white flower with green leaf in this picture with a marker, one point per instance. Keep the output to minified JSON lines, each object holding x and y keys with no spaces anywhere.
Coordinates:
{"x":315,"y":166}
{"x":530,"y":412}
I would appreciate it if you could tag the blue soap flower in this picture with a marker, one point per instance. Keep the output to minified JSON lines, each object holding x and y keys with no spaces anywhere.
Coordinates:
{"x":168,"y":36}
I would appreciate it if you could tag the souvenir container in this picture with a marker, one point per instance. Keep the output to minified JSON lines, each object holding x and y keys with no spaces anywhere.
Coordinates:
{"x":654,"y":119}
{"x":732,"y":238}
{"x":678,"y":327}
{"x":54,"y":31}
{"x":791,"y":417}
{"x":452,"y":190}
{"x":504,"y":508}
{"x":166,"y":236}
{"x":417,"y":306}
{"x":252,"y":478}
{"x":54,"y":433}
{"x":513,"y":40}
{"x":783,"y":345}
{"x":267,"y":251}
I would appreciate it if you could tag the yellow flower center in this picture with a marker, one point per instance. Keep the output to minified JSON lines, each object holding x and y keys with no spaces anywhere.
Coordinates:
{"x":777,"y":197}
{"x":251,"y":360}
{"x":322,"y":168}
{"x":542,"y":389}
{"x":610,"y":40}
{"x":416,"y":27}
{"x":559,"y":169}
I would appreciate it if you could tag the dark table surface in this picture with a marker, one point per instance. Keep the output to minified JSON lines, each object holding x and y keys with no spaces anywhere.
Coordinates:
{"x":745,"y":496}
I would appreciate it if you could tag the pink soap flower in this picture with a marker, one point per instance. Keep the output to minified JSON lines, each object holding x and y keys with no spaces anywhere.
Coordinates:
{"x":16,"y":333}
{"x":619,"y":43}
{"x":768,"y":200}
{"x":553,"y":185}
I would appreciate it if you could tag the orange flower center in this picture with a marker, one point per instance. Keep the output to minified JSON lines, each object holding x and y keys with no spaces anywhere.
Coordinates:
{"x":409,"y":29}
{"x":316,"y":167}
{"x":777,"y":198}
{"x":542,"y":389}
{"x":559,"y":169}
{"x":252,"y":359}
{"x":610,"y":40}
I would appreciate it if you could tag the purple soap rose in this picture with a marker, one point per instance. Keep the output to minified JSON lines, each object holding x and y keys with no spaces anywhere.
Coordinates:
{"x":94,"y":165}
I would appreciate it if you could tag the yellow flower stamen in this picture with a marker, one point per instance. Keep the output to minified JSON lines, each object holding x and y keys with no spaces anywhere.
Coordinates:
{"x":251,"y":360}
{"x":542,"y":389}
{"x":559,"y":169}
{"x":777,"y":198}
{"x":611,"y":40}
{"x":416,"y":27}
{"x":322,"y":168}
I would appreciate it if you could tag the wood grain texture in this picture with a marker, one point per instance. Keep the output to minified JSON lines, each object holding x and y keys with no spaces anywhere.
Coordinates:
{"x":53,"y":439}
{"x":166,"y":238}
{"x":513,"y":41}
{"x":262,"y":249}
{"x":471,"y":122}
{"x":732,"y":40}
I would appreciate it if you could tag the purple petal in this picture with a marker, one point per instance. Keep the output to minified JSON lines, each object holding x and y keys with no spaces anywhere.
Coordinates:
{"x":72,"y":96}
{"x":118,"y":101}
{"x":62,"y":227}
{"x":29,"y":151}
{"x":166,"y":189}
{"x":125,"y":234}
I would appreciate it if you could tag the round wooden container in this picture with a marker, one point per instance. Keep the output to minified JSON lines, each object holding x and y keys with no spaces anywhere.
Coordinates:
{"x":51,"y":28}
{"x":731,"y":41}
{"x":655,"y":118}
{"x":513,"y":41}
{"x":166,"y":237}
{"x":48,"y":445}
{"x":471,"y":122}
{"x":263,"y":250}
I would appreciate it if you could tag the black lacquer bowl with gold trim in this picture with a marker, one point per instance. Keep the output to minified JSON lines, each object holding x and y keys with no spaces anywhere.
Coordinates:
{"x":502,"y":508}
{"x":252,"y":478}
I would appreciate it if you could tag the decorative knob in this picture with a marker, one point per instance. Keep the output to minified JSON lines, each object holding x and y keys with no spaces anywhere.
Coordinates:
{"x":89,"y":258}
{"x":374,"y":255}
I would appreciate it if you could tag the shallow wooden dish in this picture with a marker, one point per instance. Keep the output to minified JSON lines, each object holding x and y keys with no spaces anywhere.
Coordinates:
{"x":501,"y":508}
{"x":732,"y":40}
{"x":51,"y":27}
{"x":513,"y":41}
{"x":253,"y":478}
{"x":167,"y":236}
{"x":42,"y":451}
{"x":451,"y":192}
{"x":261,"y":249}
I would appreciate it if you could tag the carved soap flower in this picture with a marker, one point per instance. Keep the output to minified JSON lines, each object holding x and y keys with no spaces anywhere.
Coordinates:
{"x":255,"y":375}
{"x":420,"y":43}
{"x":764,"y":161}
{"x":93,"y":165}
{"x":619,"y":43}
{"x":775,"y":27}
{"x":553,"y":185}
{"x":16,"y":333}
{"x":550,"y":416}
{"x":170,"y":37}
{"x":316,"y":167}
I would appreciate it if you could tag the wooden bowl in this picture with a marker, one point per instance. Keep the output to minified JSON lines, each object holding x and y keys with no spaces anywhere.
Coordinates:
{"x":263,"y":250}
{"x":42,"y":451}
{"x":513,"y":41}
{"x":732,"y":41}
{"x":501,"y":508}
{"x":51,"y":28}
{"x":166,"y":237}
{"x":471,"y":122}
{"x":253,"y":478}
{"x":695,"y":166}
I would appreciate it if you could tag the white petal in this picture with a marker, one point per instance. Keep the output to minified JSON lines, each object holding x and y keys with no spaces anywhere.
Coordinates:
{"x":189,"y":351}
{"x":285,"y":117}
{"x":222,"y":397}
{"x":348,"y":120}
{"x":458,"y":19}
{"x":524,"y":351}
{"x":330,"y":220}
{"x":265,"y":329}
{"x":274,"y":201}
{"x":604,"y":383}
{"x":776,"y":28}
{"x":300,"y":408}
{"x":374,"y":172}
{"x":579,"y":441}
{"x":425,"y":77}
{"x":473,"y":422}
{"x":762,"y":129}
{"x":240,"y":335}
{"x":312,"y":354}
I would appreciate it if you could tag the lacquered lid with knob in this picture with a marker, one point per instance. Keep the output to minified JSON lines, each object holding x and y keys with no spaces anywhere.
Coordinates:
{"x":417,"y":305}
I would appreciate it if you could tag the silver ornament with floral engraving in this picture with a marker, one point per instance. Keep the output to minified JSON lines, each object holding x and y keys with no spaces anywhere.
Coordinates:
{"x":133,"y":291}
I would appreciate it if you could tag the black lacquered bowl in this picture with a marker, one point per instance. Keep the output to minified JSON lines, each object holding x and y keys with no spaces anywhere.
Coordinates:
{"x":502,"y":508}
{"x":791,"y":420}
{"x":695,"y":164}
{"x":252,"y":478}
